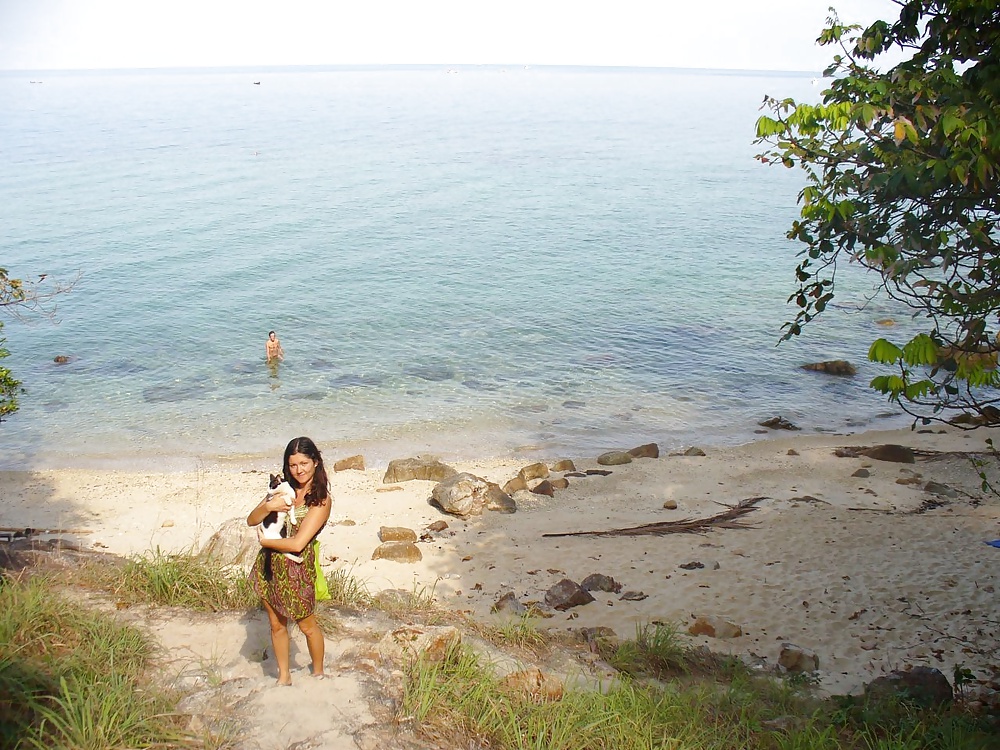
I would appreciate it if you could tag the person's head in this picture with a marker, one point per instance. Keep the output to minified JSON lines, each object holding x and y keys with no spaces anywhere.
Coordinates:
{"x":303,"y":464}
{"x":270,"y":335}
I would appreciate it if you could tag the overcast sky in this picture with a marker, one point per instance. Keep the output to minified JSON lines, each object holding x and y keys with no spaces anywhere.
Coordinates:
{"x":732,"y":34}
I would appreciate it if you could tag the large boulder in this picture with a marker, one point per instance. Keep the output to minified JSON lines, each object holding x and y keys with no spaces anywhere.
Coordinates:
{"x":614,"y":458}
{"x":468,"y":495}
{"x":427,"y":468}
{"x":356,"y":463}
{"x":566,"y":594}
{"x":234,"y":543}
{"x":402,"y":552}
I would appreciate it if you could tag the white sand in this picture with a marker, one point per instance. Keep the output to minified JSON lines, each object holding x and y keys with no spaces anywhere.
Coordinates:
{"x":851,"y":574}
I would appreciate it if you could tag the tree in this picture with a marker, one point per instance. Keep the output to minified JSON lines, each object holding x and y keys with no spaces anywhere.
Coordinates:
{"x":902,"y":176}
{"x":17,"y":297}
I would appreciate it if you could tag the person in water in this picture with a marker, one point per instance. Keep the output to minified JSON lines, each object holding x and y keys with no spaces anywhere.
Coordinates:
{"x":273,"y":348}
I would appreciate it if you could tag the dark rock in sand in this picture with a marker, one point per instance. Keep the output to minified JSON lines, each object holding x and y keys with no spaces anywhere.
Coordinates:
{"x":899,"y":454}
{"x":566,"y":594}
{"x":936,"y":488}
{"x":863,"y":473}
{"x":600,"y":582}
{"x":922,"y":686}
{"x":544,"y":488}
{"x":649,"y":450}
{"x":693,"y":451}
{"x":509,"y":604}
{"x":597,"y":472}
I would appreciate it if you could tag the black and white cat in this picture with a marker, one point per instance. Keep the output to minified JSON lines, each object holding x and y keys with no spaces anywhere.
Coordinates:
{"x":273,"y":525}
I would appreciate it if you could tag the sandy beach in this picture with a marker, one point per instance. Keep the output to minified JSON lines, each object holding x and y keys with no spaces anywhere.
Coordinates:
{"x":872,"y":573}
{"x":839,"y":564}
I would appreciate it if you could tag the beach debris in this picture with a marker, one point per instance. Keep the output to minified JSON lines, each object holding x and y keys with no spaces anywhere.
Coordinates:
{"x":833,"y":367}
{"x":577,"y":474}
{"x":899,"y":454}
{"x":396,"y":534}
{"x":538,"y":686}
{"x":508,"y":604}
{"x":670,"y":504}
{"x":863,"y":473}
{"x":633,"y":596}
{"x":649,"y":450}
{"x":693,"y":565}
{"x":390,"y":488}
{"x":614,"y":458}
{"x":533,"y":471}
{"x":233,"y":543}
{"x":566,"y":594}
{"x":410,"y":643}
{"x":794,"y":658}
{"x":427,"y":468}
{"x":728,"y":519}
{"x":600,"y":582}
{"x":401,"y":552}
{"x":347,"y":522}
{"x":356,"y":463}
{"x":923,"y":686}
{"x":468,"y":495}
{"x":714,"y":626}
{"x":564,"y":465}
{"x":909,"y":480}
{"x":597,"y":472}
{"x":544,"y":488}
{"x":694,"y":451}
{"x":778,"y":423}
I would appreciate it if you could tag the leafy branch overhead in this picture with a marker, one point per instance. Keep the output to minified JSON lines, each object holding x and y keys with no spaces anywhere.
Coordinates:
{"x":902,"y":178}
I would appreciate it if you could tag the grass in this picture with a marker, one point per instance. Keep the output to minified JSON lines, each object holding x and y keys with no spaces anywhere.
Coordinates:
{"x":668,"y":696}
{"x":74,"y":679}
{"x":178,"y":580}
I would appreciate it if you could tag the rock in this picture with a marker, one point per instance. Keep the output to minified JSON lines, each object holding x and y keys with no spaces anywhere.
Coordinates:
{"x":402,"y":552}
{"x":534,"y":471}
{"x":498,"y":500}
{"x":538,"y":686}
{"x":428,"y":469}
{"x":437,"y":526}
{"x":566,"y":594}
{"x":357,"y":463}
{"x":649,"y":450}
{"x":693,"y":451}
{"x":778,"y":423}
{"x":714,"y":627}
{"x":792,"y":452}
{"x":462,"y":495}
{"x":515,"y":484}
{"x":833,"y":367}
{"x":899,"y":454}
{"x":943,"y":490}
{"x":60,"y":359}
{"x":564,"y":465}
{"x":693,"y":565}
{"x":234,"y":543}
{"x":396,"y":534}
{"x":508,"y":604}
{"x":168,"y":524}
{"x":614,"y":458}
{"x":597,"y":472}
{"x":923,"y":686}
{"x":600,"y":582}
{"x":390,"y":488}
{"x":559,"y":484}
{"x":409,"y":643}
{"x":544,"y":488}
{"x":863,"y":473}
{"x":797,"y":659}
{"x":670,"y":504}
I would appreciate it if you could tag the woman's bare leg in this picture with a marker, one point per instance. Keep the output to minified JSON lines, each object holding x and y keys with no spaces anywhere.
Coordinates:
{"x":314,"y":640}
{"x":280,"y":643}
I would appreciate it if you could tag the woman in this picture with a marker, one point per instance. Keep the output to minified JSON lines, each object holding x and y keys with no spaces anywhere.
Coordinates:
{"x":291,"y":592}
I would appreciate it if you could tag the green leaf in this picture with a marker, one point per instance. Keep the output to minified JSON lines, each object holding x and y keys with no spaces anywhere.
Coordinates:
{"x":884,"y":352}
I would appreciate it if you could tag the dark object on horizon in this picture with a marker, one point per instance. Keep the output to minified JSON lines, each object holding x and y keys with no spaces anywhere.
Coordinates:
{"x":256,"y":83}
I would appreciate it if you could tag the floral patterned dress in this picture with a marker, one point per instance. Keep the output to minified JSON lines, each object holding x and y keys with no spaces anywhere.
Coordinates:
{"x":291,"y":592}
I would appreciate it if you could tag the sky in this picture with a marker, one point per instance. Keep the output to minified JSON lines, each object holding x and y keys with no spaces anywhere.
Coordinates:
{"x":720,"y":34}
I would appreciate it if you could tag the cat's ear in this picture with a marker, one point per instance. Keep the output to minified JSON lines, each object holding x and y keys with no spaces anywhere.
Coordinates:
{"x":275,"y":480}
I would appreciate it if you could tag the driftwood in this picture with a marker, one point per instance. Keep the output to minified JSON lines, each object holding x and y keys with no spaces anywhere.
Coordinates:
{"x":729,"y":519}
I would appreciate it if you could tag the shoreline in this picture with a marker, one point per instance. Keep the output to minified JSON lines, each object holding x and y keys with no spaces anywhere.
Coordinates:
{"x":834,"y":561}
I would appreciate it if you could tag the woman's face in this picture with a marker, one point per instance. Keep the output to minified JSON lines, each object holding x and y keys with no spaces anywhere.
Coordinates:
{"x":302,"y":468}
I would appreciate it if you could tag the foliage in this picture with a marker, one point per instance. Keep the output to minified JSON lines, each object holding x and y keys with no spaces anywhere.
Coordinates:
{"x":18,"y":296}
{"x":902,"y":178}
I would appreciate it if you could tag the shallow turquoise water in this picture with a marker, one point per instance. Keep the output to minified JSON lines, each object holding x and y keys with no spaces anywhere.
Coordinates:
{"x":487,"y":262}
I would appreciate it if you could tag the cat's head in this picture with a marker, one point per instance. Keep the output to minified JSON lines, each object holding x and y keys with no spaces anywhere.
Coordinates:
{"x":276,"y":479}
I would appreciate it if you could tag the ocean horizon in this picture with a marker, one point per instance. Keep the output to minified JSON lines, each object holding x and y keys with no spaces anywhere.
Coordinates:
{"x":471,"y":261}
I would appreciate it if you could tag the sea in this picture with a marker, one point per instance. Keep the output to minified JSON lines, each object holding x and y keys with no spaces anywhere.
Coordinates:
{"x":474,"y":262}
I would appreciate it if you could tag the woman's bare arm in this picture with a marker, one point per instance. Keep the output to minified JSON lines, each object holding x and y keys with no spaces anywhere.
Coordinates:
{"x":308,"y":528}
